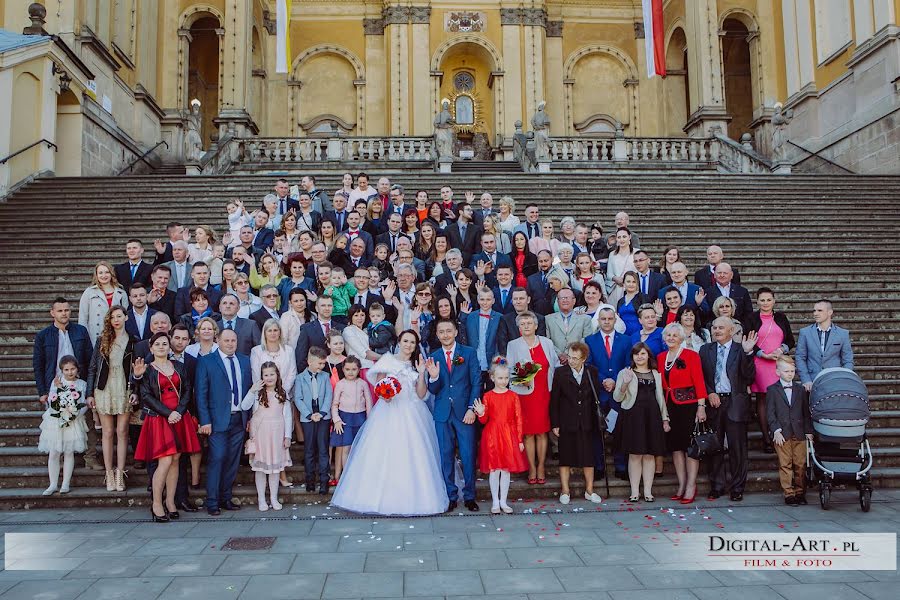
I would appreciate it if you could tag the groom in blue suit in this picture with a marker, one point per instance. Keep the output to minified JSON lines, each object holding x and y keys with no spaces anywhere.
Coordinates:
{"x":454,"y":378}
{"x":223,"y":379}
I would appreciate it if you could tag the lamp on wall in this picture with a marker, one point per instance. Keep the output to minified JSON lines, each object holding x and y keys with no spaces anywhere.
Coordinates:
{"x":64,"y":78}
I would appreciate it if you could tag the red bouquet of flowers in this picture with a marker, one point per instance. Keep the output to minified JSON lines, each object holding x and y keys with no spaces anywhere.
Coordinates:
{"x":387,"y":388}
{"x":523,"y":374}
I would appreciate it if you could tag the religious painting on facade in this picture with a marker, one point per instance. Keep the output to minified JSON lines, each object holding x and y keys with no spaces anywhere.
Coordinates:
{"x":464,"y":21}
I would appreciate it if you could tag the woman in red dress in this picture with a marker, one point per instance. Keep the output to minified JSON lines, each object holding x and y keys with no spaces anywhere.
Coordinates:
{"x":169,"y":429}
{"x":682,"y":378}
{"x":535,"y":396}
{"x":523,"y":259}
{"x":502,"y":443}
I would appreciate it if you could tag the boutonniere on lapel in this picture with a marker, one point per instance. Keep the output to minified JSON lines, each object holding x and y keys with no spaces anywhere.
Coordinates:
{"x":459,"y":360}
{"x":679,"y":364}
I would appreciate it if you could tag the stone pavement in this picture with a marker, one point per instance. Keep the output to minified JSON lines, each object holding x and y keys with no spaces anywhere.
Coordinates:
{"x":543,"y":552}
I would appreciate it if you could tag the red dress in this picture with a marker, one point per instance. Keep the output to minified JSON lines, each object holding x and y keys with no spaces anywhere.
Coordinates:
{"x":502,"y":434}
{"x":521,"y":278}
{"x":159,"y":437}
{"x":536,"y":405}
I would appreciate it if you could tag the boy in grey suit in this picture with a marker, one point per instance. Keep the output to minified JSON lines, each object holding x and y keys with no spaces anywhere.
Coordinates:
{"x":787,"y":411}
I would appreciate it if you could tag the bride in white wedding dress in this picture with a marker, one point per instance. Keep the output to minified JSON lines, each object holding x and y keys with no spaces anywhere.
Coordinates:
{"x":394,"y":466}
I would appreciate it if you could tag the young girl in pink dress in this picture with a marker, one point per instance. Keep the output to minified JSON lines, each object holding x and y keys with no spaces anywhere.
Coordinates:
{"x":270,"y":432}
{"x":349,"y":408}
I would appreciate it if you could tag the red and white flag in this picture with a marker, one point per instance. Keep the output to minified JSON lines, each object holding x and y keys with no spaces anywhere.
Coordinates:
{"x":654,"y":37}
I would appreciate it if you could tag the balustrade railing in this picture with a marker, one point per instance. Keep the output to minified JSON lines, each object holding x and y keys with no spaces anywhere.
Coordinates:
{"x":381,"y":149}
{"x":733,"y":157}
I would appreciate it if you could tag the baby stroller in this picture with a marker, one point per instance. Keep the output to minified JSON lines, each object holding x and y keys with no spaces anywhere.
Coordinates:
{"x":840,"y":453}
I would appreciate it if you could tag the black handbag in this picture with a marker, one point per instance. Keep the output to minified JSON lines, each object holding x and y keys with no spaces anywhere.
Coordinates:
{"x":704,"y":442}
{"x":601,"y":418}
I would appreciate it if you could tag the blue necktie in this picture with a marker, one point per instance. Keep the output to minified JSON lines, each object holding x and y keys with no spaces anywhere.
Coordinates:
{"x":503,"y":298}
{"x":234,"y":385}
{"x":228,"y":325}
{"x":134,"y":269}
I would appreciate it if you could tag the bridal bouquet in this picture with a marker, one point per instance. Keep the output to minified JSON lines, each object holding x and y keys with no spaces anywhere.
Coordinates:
{"x":523,"y":374}
{"x":387,"y":388}
{"x":65,"y":404}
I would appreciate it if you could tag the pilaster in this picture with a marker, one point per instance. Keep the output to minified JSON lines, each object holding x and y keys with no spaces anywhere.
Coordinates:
{"x":556,"y":91}
{"x":376,"y":109}
{"x":420,"y":72}
{"x":705,"y":66}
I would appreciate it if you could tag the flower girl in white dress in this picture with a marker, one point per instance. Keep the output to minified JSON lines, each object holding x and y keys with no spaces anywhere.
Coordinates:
{"x":63,"y":428}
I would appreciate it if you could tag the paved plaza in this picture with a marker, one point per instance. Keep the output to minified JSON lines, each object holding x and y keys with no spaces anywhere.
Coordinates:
{"x":543,"y":552}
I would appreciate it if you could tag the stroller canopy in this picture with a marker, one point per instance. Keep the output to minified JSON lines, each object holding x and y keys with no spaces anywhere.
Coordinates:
{"x":839,"y":394}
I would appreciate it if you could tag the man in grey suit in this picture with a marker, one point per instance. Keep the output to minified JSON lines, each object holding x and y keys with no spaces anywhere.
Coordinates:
{"x":248,"y":331}
{"x":180,"y":267}
{"x":565,"y":327}
{"x":728,"y":369}
{"x":822,"y":346}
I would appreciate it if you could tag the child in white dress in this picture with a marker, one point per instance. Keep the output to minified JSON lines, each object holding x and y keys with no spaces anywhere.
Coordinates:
{"x":63,"y":428}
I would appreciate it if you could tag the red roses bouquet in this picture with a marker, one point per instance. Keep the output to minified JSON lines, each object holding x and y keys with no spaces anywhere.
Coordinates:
{"x":387,"y":388}
{"x":523,"y":374}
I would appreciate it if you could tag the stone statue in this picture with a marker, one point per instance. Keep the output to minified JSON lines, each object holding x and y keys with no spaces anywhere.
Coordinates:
{"x":443,"y":132}
{"x":193,"y":143}
{"x":540,"y":124}
{"x":780,"y":121}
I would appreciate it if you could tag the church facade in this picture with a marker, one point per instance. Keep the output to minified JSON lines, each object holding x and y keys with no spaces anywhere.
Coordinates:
{"x":106,"y":80}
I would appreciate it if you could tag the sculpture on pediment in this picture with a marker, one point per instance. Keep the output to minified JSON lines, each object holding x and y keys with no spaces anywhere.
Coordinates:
{"x":540,"y":124}
{"x":193,"y":142}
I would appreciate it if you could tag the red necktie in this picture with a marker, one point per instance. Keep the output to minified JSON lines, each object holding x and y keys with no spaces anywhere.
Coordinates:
{"x":327,"y":327}
{"x":608,"y":347}
{"x":449,"y":360}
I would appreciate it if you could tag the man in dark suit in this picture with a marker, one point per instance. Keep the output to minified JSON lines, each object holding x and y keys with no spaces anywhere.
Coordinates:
{"x":691,"y":295}
{"x":397,"y":204}
{"x":269,"y":296}
{"x":176,"y":232}
{"x":649,"y":282}
{"x":390,"y":237}
{"x":59,"y":339}
{"x":503,"y":291}
{"x":338,"y":216}
{"x":354,"y":232}
{"x":314,"y":332}
{"x":464,"y":234}
{"x":248,"y":332}
{"x":538,"y":285}
{"x":610,"y":352}
{"x":454,"y":262}
{"x":725,"y":286}
{"x":508,"y":330}
{"x":728,"y":369}
{"x":705,"y":276}
{"x":263,"y":236}
{"x":160,"y":297}
{"x":490,"y":259}
{"x":449,"y":208}
{"x":486,"y":208}
{"x":159,"y":323}
{"x":199,"y":280}
{"x":138,"y":324}
{"x":134,"y":270}
{"x":283,"y":202}
{"x":223,"y":379}
{"x":358,"y":252}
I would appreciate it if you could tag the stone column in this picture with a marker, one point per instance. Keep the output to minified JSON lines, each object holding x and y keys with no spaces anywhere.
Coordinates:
{"x":396,"y":22}
{"x":235,"y":71}
{"x":533,"y":20}
{"x":705,"y":66}
{"x":420,"y":49}
{"x":376,"y":108}
{"x":555,"y":86}
{"x":513,"y":99}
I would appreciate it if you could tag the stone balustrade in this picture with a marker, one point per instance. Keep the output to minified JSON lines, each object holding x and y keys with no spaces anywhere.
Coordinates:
{"x":382,"y":149}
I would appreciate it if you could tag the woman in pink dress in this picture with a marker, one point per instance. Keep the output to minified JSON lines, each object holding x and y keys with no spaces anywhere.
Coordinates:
{"x":774,"y":339}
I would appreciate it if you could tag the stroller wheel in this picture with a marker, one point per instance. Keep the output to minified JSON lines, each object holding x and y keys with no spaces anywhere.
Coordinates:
{"x":865,"y":499}
{"x":824,"y":495}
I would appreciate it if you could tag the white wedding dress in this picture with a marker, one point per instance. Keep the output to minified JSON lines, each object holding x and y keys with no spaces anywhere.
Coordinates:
{"x":394,"y":466}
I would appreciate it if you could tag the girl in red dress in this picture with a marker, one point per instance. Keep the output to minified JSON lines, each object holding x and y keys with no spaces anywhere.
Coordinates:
{"x":169,"y":429}
{"x":502,"y":449}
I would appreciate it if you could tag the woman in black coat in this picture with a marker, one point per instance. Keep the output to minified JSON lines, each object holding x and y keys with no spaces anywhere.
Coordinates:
{"x":573,"y":418}
{"x":774,"y":339}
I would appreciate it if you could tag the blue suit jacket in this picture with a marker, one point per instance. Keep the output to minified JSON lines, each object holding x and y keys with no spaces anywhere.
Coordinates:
{"x":608,"y":367}
{"x":44,"y":358}
{"x":473,"y":320}
{"x":212,"y":388}
{"x":503,"y":260}
{"x":264,"y":238}
{"x":455,"y":391}
{"x":809,"y":356}
{"x":303,"y":395}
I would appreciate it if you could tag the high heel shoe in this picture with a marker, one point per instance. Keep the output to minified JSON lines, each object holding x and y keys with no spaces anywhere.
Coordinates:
{"x":110,"y":480}
{"x":690,"y":500}
{"x":120,"y":480}
{"x":157,"y":518}
{"x":172,"y":514}
{"x":677,"y":497}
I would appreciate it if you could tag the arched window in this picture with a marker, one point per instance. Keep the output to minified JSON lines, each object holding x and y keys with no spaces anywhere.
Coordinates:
{"x":465,"y":110}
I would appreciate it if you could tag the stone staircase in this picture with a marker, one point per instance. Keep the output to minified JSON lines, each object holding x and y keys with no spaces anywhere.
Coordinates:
{"x":806,"y":236}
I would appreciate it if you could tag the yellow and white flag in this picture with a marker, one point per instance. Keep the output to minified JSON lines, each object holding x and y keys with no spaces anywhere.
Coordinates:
{"x":282,"y":35}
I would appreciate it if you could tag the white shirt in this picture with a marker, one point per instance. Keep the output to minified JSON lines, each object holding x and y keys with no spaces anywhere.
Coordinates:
{"x":788,"y":387}
{"x":578,"y":374}
{"x":140,"y":319}
{"x":322,"y":324}
{"x":237,"y":372}
{"x":725,"y":291}
{"x":444,"y":351}
{"x":63,"y":348}
{"x":682,"y":289}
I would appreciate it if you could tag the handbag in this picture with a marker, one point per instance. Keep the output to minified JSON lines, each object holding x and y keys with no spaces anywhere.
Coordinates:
{"x":601,"y":418}
{"x":250,"y":446}
{"x":704,"y":442}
